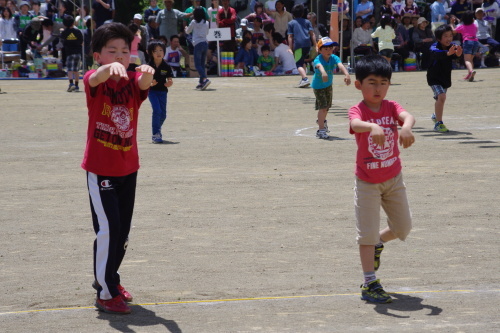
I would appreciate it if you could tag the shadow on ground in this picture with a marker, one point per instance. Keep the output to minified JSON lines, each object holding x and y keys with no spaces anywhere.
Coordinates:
{"x":406,"y":303}
{"x":139,"y":318}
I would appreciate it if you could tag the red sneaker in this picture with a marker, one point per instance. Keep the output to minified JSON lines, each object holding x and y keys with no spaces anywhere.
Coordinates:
{"x":115,"y":305}
{"x":125,"y":294}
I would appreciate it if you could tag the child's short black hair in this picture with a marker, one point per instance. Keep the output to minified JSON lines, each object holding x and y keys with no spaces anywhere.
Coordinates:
{"x":199,"y":14}
{"x":298,"y":11}
{"x":373,"y":65}
{"x":133,"y":27}
{"x":173,"y":37}
{"x":110,"y":31}
{"x":468,"y":17}
{"x":438,"y":33}
{"x":277,"y":37}
{"x":45,"y":23}
{"x":68,"y":21}
{"x":245,"y":41}
{"x":265,"y":48}
{"x":155,"y":43}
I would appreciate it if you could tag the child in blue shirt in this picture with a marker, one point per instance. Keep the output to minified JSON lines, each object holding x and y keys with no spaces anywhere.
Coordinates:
{"x":246,"y":58}
{"x":324,"y":65}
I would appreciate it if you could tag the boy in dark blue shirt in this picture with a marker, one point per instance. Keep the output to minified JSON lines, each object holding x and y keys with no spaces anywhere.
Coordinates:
{"x":439,"y":72}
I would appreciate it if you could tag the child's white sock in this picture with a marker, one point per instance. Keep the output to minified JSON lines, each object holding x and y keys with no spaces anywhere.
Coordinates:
{"x":369,"y":277}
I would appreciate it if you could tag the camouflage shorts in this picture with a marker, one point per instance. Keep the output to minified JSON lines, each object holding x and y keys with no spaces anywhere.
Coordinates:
{"x":323,"y":98}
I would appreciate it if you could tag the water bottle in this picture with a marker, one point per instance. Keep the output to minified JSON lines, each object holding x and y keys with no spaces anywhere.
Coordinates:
{"x":396,"y":66}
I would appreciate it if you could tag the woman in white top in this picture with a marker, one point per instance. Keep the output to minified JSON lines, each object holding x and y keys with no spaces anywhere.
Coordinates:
{"x":362,"y":40}
{"x":7,"y":28}
{"x":199,"y":28}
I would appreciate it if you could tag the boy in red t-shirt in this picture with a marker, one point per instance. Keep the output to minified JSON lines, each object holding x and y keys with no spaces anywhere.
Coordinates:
{"x":379,"y":182}
{"x":111,"y":158}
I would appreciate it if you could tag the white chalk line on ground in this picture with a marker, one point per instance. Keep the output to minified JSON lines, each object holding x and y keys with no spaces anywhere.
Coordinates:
{"x":252,"y":299}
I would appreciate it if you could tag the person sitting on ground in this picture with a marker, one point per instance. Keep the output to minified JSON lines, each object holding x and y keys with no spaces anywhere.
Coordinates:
{"x":246,"y":58}
{"x":285,"y":61}
{"x":173,"y":55}
{"x":266,"y":62}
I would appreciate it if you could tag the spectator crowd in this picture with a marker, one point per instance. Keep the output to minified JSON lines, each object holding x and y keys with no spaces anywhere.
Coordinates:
{"x":398,"y":30}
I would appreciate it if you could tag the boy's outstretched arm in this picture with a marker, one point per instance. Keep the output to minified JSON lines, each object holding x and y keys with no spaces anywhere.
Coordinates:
{"x":324,"y":75}
{"x":347,"y":78}
{"x":146,"y":78}
{"x":104,"y":72}
{"x":406,"y":138}
{"x":376,"y":132}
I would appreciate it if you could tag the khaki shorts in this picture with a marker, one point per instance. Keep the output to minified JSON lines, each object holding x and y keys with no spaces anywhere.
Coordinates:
{"x":391,"y":196}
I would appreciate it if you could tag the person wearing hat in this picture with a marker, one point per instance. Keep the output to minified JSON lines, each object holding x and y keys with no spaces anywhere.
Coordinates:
{"x":243,"y":27}
{"x":406,"y":21}
{"x":423,"y":38}
{"x":23,"y":18}
{"x":362,"y":40}
{"x":324,"y":65}
{"x":102,"y":10}
{"x":484,"y":33}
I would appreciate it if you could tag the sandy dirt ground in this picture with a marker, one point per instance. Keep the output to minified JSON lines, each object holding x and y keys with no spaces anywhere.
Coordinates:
{"x":244,"y":221}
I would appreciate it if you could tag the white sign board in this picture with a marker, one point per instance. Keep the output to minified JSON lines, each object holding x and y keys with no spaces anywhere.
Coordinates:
{"x":219,"y":34}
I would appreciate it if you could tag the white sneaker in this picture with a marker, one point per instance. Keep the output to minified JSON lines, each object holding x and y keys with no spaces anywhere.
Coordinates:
{"x":325,"y":125}
{"x":321,"y":134}
{"x":304,"y":83}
